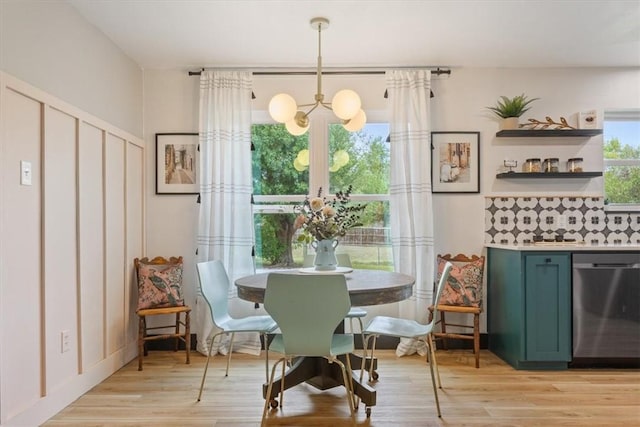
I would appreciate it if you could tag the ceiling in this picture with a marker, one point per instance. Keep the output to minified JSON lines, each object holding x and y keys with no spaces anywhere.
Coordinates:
{"x":169,"y":34}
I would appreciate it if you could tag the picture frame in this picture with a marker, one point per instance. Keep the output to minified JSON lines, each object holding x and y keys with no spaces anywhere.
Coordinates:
{"x":455,"y":162}
{"x":177,"y":163}
{"x":588,"y":119}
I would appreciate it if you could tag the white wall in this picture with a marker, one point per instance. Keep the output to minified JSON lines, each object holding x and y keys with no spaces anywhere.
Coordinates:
{"x":171,"y":105}
{"x":51,"y":46}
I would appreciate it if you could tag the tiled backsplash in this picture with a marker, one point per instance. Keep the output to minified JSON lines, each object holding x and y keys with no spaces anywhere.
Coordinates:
{"x":509,"y":220}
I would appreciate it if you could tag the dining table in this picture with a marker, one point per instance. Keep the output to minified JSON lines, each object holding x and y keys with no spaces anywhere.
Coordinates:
{"x":366,"y":288}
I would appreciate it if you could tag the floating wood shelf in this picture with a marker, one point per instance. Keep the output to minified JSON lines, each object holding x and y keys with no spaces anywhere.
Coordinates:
{"x":544,"y":133}
{"x":543,"y":175}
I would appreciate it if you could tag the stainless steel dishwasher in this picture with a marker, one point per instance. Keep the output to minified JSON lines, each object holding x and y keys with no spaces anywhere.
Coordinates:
{"x":606,"y":307}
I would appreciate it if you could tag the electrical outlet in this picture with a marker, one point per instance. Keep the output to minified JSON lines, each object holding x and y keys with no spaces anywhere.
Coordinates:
{"x":65,"y":341}
{"x":562,"y":221}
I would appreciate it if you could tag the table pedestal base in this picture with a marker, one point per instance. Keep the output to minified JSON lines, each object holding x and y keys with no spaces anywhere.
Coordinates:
{"x":318,"y":372}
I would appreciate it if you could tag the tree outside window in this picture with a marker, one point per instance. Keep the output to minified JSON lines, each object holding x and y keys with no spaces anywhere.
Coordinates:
{"x":622,"y":158}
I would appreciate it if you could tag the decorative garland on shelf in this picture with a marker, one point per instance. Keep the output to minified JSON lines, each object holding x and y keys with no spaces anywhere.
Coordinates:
{"x":535,"y":124}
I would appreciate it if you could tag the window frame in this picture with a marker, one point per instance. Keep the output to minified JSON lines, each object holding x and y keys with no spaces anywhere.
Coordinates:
{"x":318,"y":155}
{"x":319,"y":175}
{"x":617,"y":115}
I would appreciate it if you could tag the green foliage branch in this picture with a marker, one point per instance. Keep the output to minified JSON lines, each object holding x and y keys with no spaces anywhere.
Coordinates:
{"x":622,"y":183}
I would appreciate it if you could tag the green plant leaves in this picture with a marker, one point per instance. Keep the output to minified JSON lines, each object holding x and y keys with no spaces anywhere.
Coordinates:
{"x":512,"y":107}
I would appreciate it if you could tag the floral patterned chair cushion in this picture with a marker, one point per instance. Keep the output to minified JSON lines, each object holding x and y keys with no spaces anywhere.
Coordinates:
{"x":464,"y":286}
{"x":160,"y":285}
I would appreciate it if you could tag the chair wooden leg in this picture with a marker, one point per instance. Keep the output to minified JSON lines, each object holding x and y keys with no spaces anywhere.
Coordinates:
{"x":363,"y":364}
{"x":373,"y":347}
{"x":267,"y":399}
{"x":348,"y":384}
{"x":266,"y":356}
{"x":206,"y":365}
{"x":226,"y":374}
{"x":433,"y":378}
{"x":176,"y":341}
{"x":362,"y":338}
{"x":443,"y":328}
{"x":476,"y":338}
{"x":286,"y":362}
{"x":187,"y":335}
{"x":432,"y":357}
{"x":141,"y":333}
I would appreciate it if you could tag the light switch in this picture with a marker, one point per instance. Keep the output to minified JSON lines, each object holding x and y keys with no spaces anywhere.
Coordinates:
{"x":25,"y":172}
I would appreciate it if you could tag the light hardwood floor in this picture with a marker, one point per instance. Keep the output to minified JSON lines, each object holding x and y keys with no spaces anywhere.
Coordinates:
{"x":164,"y":394}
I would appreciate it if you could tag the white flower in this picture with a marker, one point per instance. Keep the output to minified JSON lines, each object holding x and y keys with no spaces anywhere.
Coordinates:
{"x":328,"y":211}
{"x":316,"y":204}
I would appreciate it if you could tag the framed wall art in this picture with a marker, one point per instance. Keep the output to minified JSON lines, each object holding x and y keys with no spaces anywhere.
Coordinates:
{"x":455,"y":162}
{"x":177,"y":163}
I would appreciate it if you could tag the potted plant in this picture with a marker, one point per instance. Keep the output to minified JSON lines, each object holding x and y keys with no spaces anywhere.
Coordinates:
{"x":510,"y":109}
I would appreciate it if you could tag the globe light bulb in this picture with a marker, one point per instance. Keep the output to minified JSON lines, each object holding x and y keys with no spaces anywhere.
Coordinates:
{"x":340,"y":158}
{"x":357,"y":122}
{"x":346,"y":104}
{"x":282,"y":108}
{"x":298,"y":166}
{"x":303,"y":157}
{"x":294,"y":129}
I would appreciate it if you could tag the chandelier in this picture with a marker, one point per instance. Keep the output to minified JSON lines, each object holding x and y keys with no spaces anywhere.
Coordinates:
{"x":345,"y":103}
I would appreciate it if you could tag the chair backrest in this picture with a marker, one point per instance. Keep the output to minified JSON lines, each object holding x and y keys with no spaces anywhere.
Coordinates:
{"x":157,"y":261}
{"x":441,"y":284}
{"x":307,"y":310}
{"x":464,"y":287}
{"x":214,"y":285}
{"x":344,"y":260}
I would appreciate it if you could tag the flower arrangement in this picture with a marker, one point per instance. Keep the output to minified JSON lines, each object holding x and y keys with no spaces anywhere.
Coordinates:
{"x":322,"y":219}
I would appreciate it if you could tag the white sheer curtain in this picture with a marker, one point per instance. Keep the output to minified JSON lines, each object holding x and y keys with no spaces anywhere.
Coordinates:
{"x":225,"y":226}
{"x":410,"y":191}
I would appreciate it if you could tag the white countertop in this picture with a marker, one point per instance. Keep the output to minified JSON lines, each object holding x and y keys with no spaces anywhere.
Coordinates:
{"x":562,"y":246}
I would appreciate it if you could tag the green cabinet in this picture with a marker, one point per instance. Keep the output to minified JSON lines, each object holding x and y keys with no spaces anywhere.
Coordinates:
{"x":529,"y":308}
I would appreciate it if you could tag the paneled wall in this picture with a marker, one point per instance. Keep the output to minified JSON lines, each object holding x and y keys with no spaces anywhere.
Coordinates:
{"x":67,"y":241}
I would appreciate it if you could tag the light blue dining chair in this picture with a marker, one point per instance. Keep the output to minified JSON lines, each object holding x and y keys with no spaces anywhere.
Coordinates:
{"x":344,"y":260}
{"x":407,"y":328}
{"x":307,"y":311}
{"x":214,"y":284}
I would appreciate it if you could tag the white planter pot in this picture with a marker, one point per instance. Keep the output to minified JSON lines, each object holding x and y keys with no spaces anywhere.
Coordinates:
{"x":509,"y":123}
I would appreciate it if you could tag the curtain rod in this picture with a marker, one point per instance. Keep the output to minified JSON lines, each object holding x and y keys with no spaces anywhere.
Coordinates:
{"x":304,"y":72}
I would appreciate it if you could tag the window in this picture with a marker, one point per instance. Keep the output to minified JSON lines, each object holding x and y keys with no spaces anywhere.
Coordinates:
{"x":286,"y":168}
{"x":622,"y":159}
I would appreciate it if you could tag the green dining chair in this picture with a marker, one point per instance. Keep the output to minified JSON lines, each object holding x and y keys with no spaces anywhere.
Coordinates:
{"x":214,"y":285}
{"x":308,"y":309}
{"x":408,"y":328}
